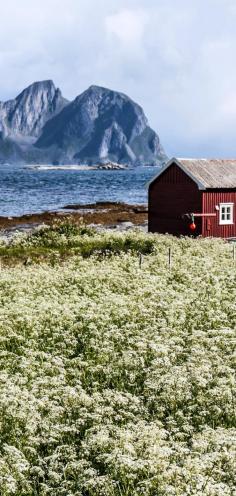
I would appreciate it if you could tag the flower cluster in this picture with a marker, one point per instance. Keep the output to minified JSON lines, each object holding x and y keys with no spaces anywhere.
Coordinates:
{"x":118,"y":378}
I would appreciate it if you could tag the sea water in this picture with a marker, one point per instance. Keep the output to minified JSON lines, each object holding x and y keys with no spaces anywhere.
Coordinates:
{"x":25,"y":190}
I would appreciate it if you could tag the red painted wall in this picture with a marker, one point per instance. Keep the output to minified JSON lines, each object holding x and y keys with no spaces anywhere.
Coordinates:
{"x":210,"y":225}
{"x":173,"y":194}
{"x":170,"y":196}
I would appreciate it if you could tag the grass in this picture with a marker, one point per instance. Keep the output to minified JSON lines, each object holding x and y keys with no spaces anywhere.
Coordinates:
{"x":64,"y":239}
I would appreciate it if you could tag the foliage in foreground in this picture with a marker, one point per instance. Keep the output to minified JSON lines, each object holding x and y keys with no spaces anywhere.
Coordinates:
{"x":118,"y":380}
{"x":65,"y":239}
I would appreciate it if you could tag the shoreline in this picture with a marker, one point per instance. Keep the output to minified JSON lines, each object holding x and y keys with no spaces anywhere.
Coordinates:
{"x":103,"y":215}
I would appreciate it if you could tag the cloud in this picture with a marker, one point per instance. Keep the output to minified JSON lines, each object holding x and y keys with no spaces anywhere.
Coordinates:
{"x":127,"y":26}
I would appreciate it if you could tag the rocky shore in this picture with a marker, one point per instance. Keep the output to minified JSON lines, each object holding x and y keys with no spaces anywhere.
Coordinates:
{"x":105,"y":166}
{"x":102,"y":215}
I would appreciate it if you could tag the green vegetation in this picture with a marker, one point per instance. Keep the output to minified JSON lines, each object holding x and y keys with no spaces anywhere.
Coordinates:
{"x":116,"y":379}
{"x":65,"y":239}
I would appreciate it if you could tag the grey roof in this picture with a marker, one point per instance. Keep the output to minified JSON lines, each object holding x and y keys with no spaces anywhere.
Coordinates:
{"x":207,"y":173}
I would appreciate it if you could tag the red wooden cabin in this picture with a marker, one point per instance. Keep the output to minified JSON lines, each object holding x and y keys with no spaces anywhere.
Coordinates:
{"x":200,"y":193}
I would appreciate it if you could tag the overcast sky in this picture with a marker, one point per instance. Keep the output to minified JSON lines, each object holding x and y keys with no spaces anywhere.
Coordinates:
{"x":176,"y":58}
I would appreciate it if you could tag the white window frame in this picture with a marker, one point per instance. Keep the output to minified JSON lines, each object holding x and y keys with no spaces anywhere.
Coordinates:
{"x":224,"y":222}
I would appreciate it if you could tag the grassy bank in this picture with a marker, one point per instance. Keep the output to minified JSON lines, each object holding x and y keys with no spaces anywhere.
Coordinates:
{"x":117,"y":379}
{"x":65,"y":239}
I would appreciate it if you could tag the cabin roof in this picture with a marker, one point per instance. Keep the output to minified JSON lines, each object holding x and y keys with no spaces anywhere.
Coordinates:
{"x":207,"y":173}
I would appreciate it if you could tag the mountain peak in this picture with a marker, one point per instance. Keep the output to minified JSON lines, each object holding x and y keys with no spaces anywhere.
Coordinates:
{"x":102,"y":125}
{"x":102,"y":89}
{"x":95,"y":87}
{"x":40,"y":84}
{"x":26,"y":115}
{"x":37,"y":87}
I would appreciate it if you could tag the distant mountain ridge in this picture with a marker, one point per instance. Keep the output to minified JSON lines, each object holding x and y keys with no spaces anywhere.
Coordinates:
{"x":100,"y":125}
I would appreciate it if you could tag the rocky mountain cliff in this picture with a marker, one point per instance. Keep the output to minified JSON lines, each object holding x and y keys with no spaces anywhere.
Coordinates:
{"x":25,"y":116}
{"x":100,"y":125}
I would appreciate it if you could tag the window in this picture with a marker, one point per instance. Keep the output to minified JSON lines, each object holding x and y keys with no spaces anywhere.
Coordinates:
{"x":226,"y":213}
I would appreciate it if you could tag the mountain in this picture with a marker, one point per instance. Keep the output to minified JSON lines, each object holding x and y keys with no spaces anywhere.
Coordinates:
{"x":9,"y":150}
{"x":25,"y":116}
{"x":100,"y":125}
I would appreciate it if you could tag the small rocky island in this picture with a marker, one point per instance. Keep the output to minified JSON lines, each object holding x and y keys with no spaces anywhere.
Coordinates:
{"x":111,"y":166}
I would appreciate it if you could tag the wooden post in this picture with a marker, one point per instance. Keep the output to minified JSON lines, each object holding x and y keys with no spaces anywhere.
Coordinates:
{"x":140,"y":260}
{"x":169,"y":257}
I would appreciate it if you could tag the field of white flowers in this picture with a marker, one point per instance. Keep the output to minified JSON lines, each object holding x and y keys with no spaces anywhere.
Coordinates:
{"x":116,"y":379}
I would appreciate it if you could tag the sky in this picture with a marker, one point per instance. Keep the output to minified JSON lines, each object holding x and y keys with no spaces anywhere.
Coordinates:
{"x":176,"y":58}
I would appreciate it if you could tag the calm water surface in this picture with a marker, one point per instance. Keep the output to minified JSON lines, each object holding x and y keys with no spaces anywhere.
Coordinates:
{"x":25,"y":190}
